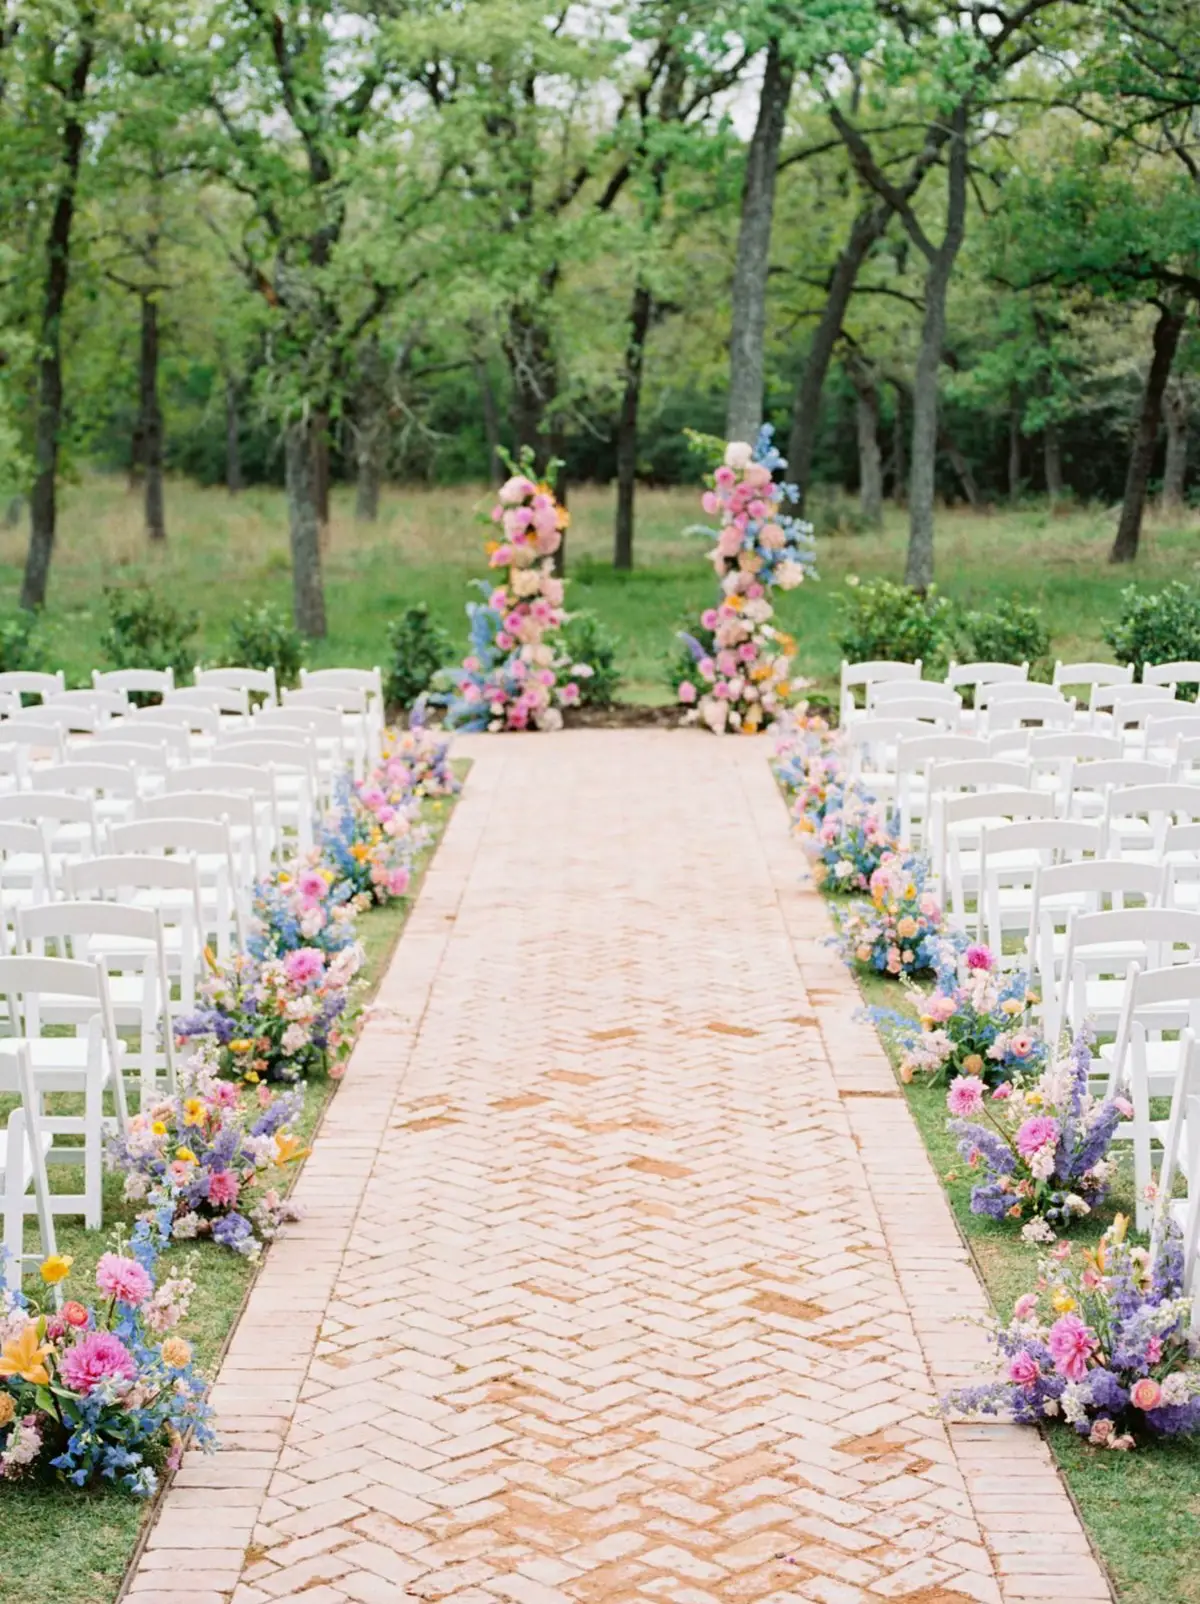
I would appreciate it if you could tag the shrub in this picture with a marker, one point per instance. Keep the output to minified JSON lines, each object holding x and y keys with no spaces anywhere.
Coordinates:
{"x":588,"y":642}
{"x":148,"y":631}
{"x":261,"y":637}
{"x":881,"y":620}
{"x":1157,"y":627}
{"x":1009,"y":632}
{"x":20,"y":647}
{"x":419,"y":648}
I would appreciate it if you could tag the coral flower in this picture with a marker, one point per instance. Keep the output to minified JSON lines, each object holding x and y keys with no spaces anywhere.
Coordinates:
{"x":24,"y":1357}
{"x":1145,"y":1394}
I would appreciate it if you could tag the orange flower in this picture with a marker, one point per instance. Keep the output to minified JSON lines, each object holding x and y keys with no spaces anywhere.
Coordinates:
{"x":25,"y":1356}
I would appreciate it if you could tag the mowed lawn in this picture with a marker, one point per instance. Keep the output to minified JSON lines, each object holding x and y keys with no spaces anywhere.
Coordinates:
{"x":428,"y":546}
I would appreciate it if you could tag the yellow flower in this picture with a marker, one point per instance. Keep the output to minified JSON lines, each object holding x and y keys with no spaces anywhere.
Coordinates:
{"x":193,"y":1111}
{"x":285,"y":878}
{"x":242,"y":1045}
{"x":1062,"y":1301}
{"x":288,"y":1149}
{"x":1118,"y":1228}
{"x":210,"y":957}
{"x":25,"y":1356}
{"x":186,"y":1156}
{"x":910,"y":891}
{"x":1011,"y":1005}
{"x":8,"y":1409}
{"x":176,"y":1353}
{"x":158,"y":1128}
{"x":1034,"y":1098}
{"x":56,"y":1268}
{"x":358,"y":852}
{"x":907,"y":927}
{"x":972,"y":1064}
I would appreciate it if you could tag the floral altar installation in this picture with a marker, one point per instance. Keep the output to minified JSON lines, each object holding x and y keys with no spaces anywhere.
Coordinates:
{"x":518,"y":674}
{"x":738,"y":671}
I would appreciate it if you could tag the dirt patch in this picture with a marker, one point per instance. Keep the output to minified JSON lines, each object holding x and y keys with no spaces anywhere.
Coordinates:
{"x":623,"y":716}
{"x":789,"y":1308}
{"x":659,"y":1166}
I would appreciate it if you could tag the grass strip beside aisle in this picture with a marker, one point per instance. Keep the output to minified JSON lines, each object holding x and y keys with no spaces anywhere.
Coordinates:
{"x":75,"y":1547}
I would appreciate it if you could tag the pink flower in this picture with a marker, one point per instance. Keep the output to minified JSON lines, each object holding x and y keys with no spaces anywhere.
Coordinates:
{"x":721,"y":691}
{"x":96,"y":1358}
{"x":979,"y":957}
{"x":304,"y":965}
{"x":1022,"y":1044}
{"x":1036,"y":1133}
{"x":1003,"y":1092}
{"x":723,"y":477}
{"x":687,"y":692}
{"x":397,"y":882}
{"x":224,"y":1094}
{"x":1124,"y":1107}
{"x":711,"y":502}
{"x":1025,"y":1306}
{"x":729,"y":541}
{"x":1154,"y":1350}
{"x":223,"y":1189}
{"x":1061,"y":1251}
{"x":709,"y":618}
{"x":123,"y":1279}
{"x":1071,"y":1345}
{"x":940,"y":1008}
{"x":1023,"y":1370}
{"x":312,"y":885}
{"x":1145,"y":1394}
{"x":965,"y":1096}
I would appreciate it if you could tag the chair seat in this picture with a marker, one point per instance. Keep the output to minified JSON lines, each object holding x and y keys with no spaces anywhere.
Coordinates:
{"x":1162,"y":1065}
{"x":60,"y":1062}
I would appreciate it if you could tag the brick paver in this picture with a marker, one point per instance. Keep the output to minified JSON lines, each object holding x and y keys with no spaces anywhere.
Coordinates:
{"x":624,"y":1274}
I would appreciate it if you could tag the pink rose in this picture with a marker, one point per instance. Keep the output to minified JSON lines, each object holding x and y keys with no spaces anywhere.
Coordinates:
{"x":1025,"y":1306}
{"x":1022,"y":1044}
{"x":311,"y":885}
{"x":729,"y":541}
{"x":1071,"y":1345}
{"x":96,"y":1358}
{"x":965,"y":1096}
{"x":303,"y":965}
{"x":1145,"y":1394}
{"x":979,"y":957}
{"x":723,"y":477}
{"x":472,"y":665}
{"x":123,"y":1279}
{"x":709,"y":618}
{"x":1036,"y":1133}
{"x":223,"y":1189}
{"x":397,"y":882}
{"x":1023,"y":1370}
{"x":687,"y":692}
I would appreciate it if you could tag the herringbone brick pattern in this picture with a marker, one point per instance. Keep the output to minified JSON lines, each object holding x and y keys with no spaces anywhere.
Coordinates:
{"x":624,"y":1275}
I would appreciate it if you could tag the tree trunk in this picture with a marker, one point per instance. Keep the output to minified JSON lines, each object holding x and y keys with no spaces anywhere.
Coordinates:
{"x":640,"y":314}
{"x":747,"y":333}
{"x":1175,"y":408}
{"x":870,"y":462}
{"x":151,"y":419}
{"x":43,"y":501}
{"x":918,"y":570}
{"x":304,"y":529}
{"x":368,"y":476}
{"x":320,"y":450}
{"x":899,"y":454}
{"x":1167,"y":331}
{"x":966,"y":474}
{"x":1052,"y":460}
{"x":234,"y":482}
{"x":868,"y":226}
{"x":529,"y":349}
{"x":370,"y":429}
{"x":1014,"y":449}
{"x":491,"y":419}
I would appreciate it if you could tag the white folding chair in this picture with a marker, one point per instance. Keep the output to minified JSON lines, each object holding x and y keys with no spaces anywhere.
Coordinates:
{"x":225,"y":881}
{"x":87,"y":1063}
{"x":170,"y":886}
{"x":1181,"y":1157}
{"x":24,"y":1145}
{"x":325,"y":727}
{"x":367,"y":680}
{"x":1124,"y":709}
{"x":1184,"y":671}
{"x":914,"y":756}
{"x":1137,"y":817}
{"x":1053,"y":753}
{"x":1089,"y":783}
{"x":1167,"y":727}
{"x":231,"y":703}
{"x":292,"y":758}
{"x":363,"y":730}
{"x":112,"y":786}
{"x":1011,"y":856}
{"x":962,"y":818}
{"x":959,"y":777}
{"x":28,"y":682}
{"x":41,"y":739}
{"x":68,"y":822}
{"x":1100,"y":949}
{"x":14,"y":766}
{"x":1037,"y":712}
{"x":860,"y":676}
{"x":135,"y":681}
{"x":129,"y":943}
{"x":254,"y":681}
{"x":26,"y":870}
{"x":235,"y":779}
{"x":1062,"y":890}
{"x":971,"y":676}
{"x":1181,"y":859}
{"x":101,"y":705}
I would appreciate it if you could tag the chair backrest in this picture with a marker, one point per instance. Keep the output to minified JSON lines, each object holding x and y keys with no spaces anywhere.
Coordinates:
{"x":1052,"y":745}
{"x":1181,"y":1154}
{"x":977,"y":774}
{"x":883,"y":694}
{"x":342,"y":698}
{"x":1098,"y":776}
{"x":323,"y":722}
{"x":118,"y":875}
{"x":25,"y":973}
{"x":868,"y":673}
{"x":1128,"y":695}
{"x":1043,"y":711}
{"x":256,"y":681}
{"x":915,"y":751}
{"x":14,"y":764}
{"x":54,"y":921}
{"x":1073,"y":836}
{"x":1182,"y":839}
{"x":232,"y":777}
{"x":1178,"y":720}
{"x":171,"y":835}
{"x":1013,"y":803}
{"x":1183,"y":672}
{"x":49,"y":807}
{"x":29,"y":682}
{"x":1161,"y":927}
{"x":58,"y":710}
{"x":106,"y":704}
{"x":143,"y":681}
{"x":991,"y":692}
{"x":1011,"y":856}
{"x":362,"y":679}
{"x":90,"y":779}
{"x":1090,"y":674}
{"x":185,"y":715}
{"x":233,"y":699}
{"x":142,"y":757}
{"x":985,"y":673}
{"x":33,"y":734}
{"x":286,"y":749}
{"x":238,"y":807}
{"x":1175,"y":797}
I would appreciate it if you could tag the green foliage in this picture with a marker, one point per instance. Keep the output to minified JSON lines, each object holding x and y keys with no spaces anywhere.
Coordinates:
{"x":1007,"y":632}
{"x":261,"y":637}
{"x":881,"y":620}
{"x":20,"y":644}
{"x":1157,"y":627}
{"x":419,"y":648}
{"x":146,"y":630}
{"x":589,"y":642}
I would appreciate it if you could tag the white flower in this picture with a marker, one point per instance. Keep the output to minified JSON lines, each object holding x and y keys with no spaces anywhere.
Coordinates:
{"x":295,"y":1037}
{"x":789,"y":574}
{"x":549,"y":719}
{"x":738,"y":454}
{"x":186,"y":1227}
{"x":1074,"y":1403}
{"x":135,"y":1188}
{"x":1038,"y":1230}
{"x":526,"y":582}
{"x":844,"y":869}
{"x":1176,"y":1388}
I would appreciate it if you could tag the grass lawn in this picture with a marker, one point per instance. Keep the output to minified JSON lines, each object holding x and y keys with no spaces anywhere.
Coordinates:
{"x":427,"y":546}
{"x":1142,"y":1510}
{"x":73,"y":1547}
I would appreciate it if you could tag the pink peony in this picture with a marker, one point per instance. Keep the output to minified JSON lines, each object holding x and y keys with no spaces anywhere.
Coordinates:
{"x":979,"y":957}
{"x":965,"y":1096}
{"x":723,"y":477}
{"x":1026,"y":1306}
{"x":123,"y":1279}
{"x":96,"y":1358}
{"x":1145,"y":1394}
{"x":303,"y":965}
{"x":223,"y":1189}
{"x":1036,"y":1133}
{"x":311,"y":885}
{"x":1071,"y":1345}
{"x":687,"y":691}
{"x":1023,"y":1370}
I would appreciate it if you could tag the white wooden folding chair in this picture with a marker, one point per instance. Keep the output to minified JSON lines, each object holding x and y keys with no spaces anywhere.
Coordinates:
{"x":101,"y":705}
{"x":367,"y":680}
{"x":41,"y":739}
{"x":1061,"y":890}
{"x":1032,"y":712}
{"x":1011,"y":856}
{"x":364,"y":729}
{"x":292,"y":758}
{"x":235,"y":779}
{"x":26,"y":869}
{"x":135,"y":681}
{"x":1167,"y":728}
{"x":1184,"y":671}
{"x":860,"y":676}
{"x":1124,"y":709}
{"x":914,"y":756}
{"x":254,"y":681}
{"x":1054,"y":752}
{"x":24,"y":1145}
{"x":88,"y":1063}
{"x":112,"y":786}
{"x":962,"y":818}
{"x":1181,"y":1158}
{"x":1100,"y":949}
{"x":871,"y":751}
{"x":226,"y":880}
{"x":29,"y":682}
{"x":970,"y":677}
{"x":960,"y":777}
{"x":230,"y":703}
{"x":1137,"y":817}
{"x":68,"y":822}
{"x":129,"y":943}
{"x":170,"y":886}
{"x":325,"y":727}
{"x":1089,"y":782}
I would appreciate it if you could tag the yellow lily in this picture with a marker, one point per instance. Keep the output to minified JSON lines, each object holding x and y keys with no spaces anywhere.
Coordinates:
{"x":25,"y":1357}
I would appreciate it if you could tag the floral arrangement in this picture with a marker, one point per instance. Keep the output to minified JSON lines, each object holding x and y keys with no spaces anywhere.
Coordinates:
{"x":974,"y":1022}
{"x":197,"y":1160}
{"x":100,"y":1391}
{"x":1103,"y":1344}
{"x":1044,"y":1149}
{"x":517,"y":675}
{"x":851,"y":840}
{"x":897,"y":932}
{"x":739,"y":674}
{"x":801,"y":738}
{"x":277,"y":1020}
{"x":304,"y":905}
{"x":369,"y":839}
{"x":416,"y":761}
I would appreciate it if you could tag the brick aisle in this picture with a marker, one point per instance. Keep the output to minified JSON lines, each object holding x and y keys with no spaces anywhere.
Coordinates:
{"x":593,"y":1301}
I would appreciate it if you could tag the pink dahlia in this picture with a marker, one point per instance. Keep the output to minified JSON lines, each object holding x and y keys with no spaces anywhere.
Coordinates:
{"x":303,"y":965}
{"x":1071,"y":1345}
{"x":223,"y":1189}
{"x":1036,"y":1133}
{"x":96,"y":1358}
{"x":965,"y":1096}
{"x":123,"y":1279}
{"x":312,"y":886}
{"x":979,"y":957}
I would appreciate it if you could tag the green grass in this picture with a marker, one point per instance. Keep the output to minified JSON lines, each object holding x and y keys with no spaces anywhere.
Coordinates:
{"x":1142,"y":1510}
{"x":427,"y":546}
{"x":74,"y":1547}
